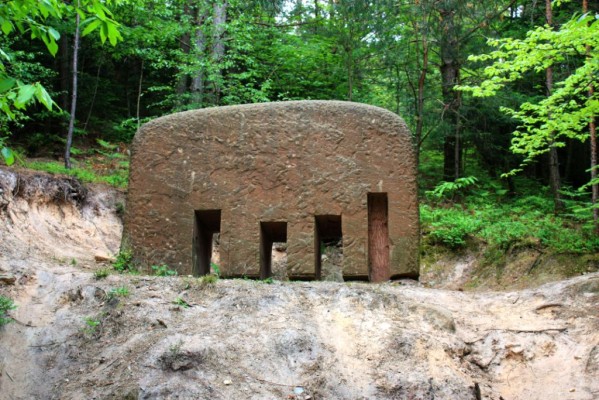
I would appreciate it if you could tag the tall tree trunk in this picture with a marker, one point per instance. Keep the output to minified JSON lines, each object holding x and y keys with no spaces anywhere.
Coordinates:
{"x":218,"y":44}
{"x":450,"y":76}
{"x":91,"y":106}
{"x":197,"y":84}
{"x":593,"y":140}
{"x":185,"y":45}
{"x":595,"y":186}
{"x":67,"y":152}
{"x":554,"y":175}
{"x":139,"y":93}
{"x":420,"y":93}
{"x":350,"y":71}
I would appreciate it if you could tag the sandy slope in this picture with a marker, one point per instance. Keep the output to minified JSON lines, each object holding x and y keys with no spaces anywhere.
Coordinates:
{"x":251,"y":340}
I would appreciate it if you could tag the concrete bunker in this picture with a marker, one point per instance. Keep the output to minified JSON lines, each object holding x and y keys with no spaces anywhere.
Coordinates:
{"x":308,"y":173}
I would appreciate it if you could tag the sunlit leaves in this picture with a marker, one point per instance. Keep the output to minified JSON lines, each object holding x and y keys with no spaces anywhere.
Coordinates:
{"x":564,"y":114}
{"x":36,"y":18}
{"x":8,"y":155}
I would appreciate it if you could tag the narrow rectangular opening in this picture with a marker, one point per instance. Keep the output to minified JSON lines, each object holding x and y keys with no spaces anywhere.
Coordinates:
{"x":328,"y":247}
{"x":378,"y":237}
{"x":270,"y":233}
{"x":206,"y":231}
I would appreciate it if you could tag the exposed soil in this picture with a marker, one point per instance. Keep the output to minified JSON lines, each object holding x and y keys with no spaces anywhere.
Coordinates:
{"x":237,"y":339}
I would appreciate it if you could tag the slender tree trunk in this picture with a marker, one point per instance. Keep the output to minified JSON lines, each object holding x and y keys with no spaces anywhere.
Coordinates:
{"x":420,"y":95}
{"x":184,"y":77}
{"x":185,"y":45}
{"x":595,"y":186}
{"x":350,"y":73}
{"x":593,"y":140}
{"x":197,"y":85}
{"x":139,"y":92}
{"x":218,"y":47}
{"x":450,"y":76}
{"x":67,"y":152}
{"x":91,"y":106}
{"x":554,"y":175}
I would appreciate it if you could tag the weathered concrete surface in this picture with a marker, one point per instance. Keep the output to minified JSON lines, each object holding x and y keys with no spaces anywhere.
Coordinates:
{"x":275,"y":162}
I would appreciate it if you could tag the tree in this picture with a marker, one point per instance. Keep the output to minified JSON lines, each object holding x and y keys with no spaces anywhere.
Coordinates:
{"x":35,"y":18}
{"x":554,"y":175}
{"x":592,"y":137}
{"x":569,"y":107}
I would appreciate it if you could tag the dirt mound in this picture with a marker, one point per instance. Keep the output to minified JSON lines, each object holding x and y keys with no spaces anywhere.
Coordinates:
{"x":126,"y":337}
{"x":57,"y":218}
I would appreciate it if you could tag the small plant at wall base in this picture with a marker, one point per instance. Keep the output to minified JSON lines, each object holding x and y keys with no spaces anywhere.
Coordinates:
{"x":6,"y":305}
{"x":208,"y":280}
{"x":163,"y":270}
{"x":215,"y":268}
{"x":124,"y":261}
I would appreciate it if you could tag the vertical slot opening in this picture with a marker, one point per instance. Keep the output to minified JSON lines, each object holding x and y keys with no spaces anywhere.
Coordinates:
{"x":378,"y":237}
{"x":328,"y":247}
{"x":270,"y":233}
{"x":206,"y":232}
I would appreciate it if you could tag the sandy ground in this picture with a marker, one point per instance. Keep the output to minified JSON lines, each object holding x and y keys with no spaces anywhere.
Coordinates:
{"x":182,"y":338}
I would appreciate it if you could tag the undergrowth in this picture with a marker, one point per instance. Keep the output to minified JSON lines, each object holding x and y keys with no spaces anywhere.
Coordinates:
{"x":84,"y":172}
{"x":486,"y":214}
{"x":103,"y":162}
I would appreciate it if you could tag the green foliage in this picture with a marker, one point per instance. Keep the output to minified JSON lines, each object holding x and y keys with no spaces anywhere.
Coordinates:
{"x":163,"y":270}
{"x":449,"y":190}
{"x":102,"y":273}
{"x":118,"y":178}
{"x":6,"y":304}
{"x":208,"y":280}
{"x":91,"y":325}
{"x":450,"y":227}
{"x":215,"y":269}
{"x":121,"y":291}
{"x":566,"y":112}
{"x":124,"y":261}
{"x":181,"y":302}
{"x":7,"y":155}
{"x":504,"y":223}
{"x":34,"y":18}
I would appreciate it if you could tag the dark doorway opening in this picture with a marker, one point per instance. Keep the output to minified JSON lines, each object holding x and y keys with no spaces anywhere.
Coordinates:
{"x":205,"y":231}
{"x":270,"y":232}
{"x":328,"y":247}
{"x":378,"y":237}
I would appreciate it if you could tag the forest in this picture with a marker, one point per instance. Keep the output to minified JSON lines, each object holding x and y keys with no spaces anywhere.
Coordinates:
{"x":499,"y":95}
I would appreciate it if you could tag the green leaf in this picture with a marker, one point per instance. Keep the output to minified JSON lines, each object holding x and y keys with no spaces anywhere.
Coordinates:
{"x":6,"y":27}
{"x":50,"y":43}
{"x":103,"y":33}
{"x":54,"y":33}
{"x":25,"y":95}
{"x":52,"y":47}
{"x":4,"y":55}
{"x":113,"y":34}
{"x":91,"y":27}
{"x":6,"y":83}
{"x":43,"y":97}
{"x":8,"y":155}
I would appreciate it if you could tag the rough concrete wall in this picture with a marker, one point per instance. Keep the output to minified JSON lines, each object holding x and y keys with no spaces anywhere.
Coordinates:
{"x":284,"y":161}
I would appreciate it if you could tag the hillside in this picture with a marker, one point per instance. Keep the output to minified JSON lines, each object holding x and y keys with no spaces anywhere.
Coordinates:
{"x":79,"y":335}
